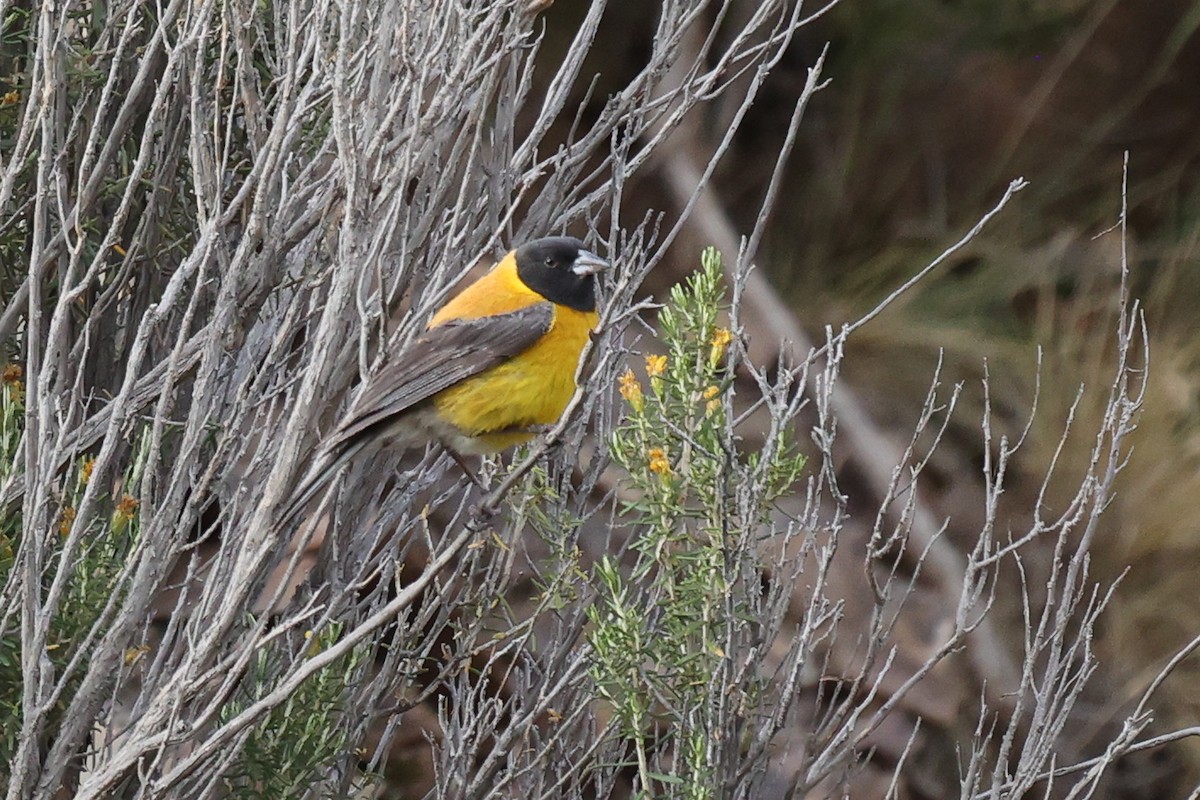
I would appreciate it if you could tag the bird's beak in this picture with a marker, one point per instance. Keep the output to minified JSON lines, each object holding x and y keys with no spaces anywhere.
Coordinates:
{"x":588,"y":263}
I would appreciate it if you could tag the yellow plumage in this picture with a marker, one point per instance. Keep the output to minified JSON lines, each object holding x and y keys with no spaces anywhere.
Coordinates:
{"x":496,"y":364}
{"x":531,"y":389}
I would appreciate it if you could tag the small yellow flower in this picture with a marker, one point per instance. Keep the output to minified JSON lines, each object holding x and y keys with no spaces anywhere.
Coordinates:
{"x":720,"y":343}
{"x":656,"y":365}
{"x":85,"y":471}
{"x":659,"y":464}
{"x":125,"y":511}
{"x":68,"y":519}
{"x":134,"y":654}
{"x":10,"y":376}
{"x":128,"y":505}
{"x":712,"y":399}
{"x":631,"y":390}
{"x":10,"y":98}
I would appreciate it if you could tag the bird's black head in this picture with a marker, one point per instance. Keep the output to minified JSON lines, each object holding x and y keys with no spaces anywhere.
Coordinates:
{"x":560,"y":270}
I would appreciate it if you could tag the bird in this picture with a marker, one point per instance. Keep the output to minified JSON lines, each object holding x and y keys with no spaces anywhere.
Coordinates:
{"x":494,"y":366}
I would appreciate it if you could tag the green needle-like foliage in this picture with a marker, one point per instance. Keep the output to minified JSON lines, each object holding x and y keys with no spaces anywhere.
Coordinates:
{"x":663,"y":632}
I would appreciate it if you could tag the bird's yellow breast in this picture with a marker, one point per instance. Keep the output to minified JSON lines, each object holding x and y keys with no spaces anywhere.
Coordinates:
{"x":532,"y":388}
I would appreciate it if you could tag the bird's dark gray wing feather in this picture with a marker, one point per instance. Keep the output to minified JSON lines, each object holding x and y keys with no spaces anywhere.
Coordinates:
{"x":438,"y":359}
{"x":442,"y":357}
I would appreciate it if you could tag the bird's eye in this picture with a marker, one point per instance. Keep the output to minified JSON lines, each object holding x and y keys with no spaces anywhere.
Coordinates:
{"x":549,"y":261}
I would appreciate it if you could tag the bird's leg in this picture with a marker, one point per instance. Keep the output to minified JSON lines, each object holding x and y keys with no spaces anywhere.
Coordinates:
{"x":553,"y":445}
{"x":458,"y":459}
{"x":484,"y":510}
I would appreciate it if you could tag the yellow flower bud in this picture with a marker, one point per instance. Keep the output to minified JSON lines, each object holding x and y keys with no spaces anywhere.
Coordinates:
{"x":631,"y":390}
{"x":721,"y":339}
{"x":656,"y":365}
{"x":134,"y":654}
{"x":126,"y":510}
{"x":68,"y":519}
{"x":11,"y":378}
{"x":659,"y":464}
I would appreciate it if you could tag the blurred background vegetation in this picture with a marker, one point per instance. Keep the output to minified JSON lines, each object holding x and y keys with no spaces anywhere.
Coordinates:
{"x":933,"y":107}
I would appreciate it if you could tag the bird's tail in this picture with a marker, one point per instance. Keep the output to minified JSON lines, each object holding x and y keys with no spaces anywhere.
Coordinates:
{"x":330,"y":459}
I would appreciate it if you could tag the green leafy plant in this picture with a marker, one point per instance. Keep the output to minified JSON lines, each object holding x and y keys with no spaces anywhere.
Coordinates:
{"x":94,"y":570}
{"x":663,"y":632}
{"x":288,"y":750}
{"x":12,"y":411}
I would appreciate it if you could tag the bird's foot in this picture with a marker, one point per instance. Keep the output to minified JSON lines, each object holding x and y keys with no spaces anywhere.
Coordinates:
{"x":550,"y":442}
{"x":484,"y":510}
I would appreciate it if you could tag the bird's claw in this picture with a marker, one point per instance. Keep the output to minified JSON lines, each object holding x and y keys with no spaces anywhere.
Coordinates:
{"x":484,"y":510}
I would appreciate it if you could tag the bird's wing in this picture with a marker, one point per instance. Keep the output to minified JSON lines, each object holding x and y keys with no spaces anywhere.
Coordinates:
{"x":442,"y":357}
{"x":438,"y":359}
